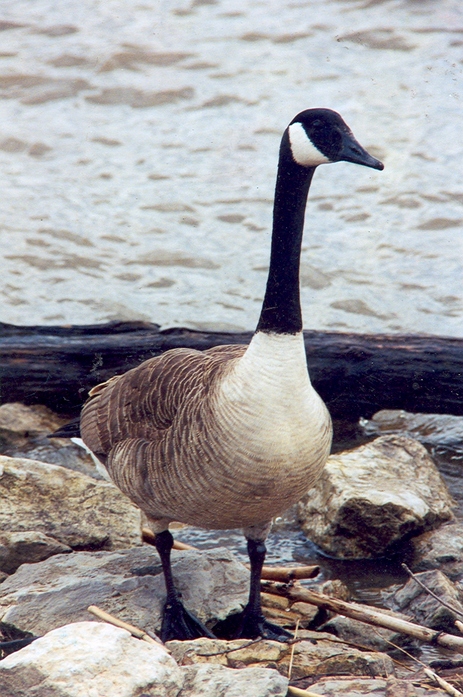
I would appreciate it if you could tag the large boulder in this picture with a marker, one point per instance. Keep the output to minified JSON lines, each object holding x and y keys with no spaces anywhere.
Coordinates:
{"x":90,"y":659}
{"x":372,"y":498}
{"x":127,"y":583}
{"x":72,"y":508}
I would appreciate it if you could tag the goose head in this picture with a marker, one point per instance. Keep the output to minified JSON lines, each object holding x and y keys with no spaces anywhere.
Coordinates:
{"x":320,"y":136}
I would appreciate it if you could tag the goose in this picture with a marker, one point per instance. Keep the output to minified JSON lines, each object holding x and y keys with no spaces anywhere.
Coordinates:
{"x":232,"y":436}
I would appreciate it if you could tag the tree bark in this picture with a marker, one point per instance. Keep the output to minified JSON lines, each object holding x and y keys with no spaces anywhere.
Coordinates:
{"x":355,"y":374}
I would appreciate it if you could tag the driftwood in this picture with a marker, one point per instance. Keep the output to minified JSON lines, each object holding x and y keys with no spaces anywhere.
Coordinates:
{"x":364,"y":613}
{"x":355,"y":374}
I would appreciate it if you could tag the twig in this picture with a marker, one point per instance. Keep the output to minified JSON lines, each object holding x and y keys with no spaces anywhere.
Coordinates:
{"x":285,"y":574}
{"x":450,"y":689}
{"x":366,"y":614}
{"x":291,"y":658}
{"x":297,"y":692}
{"x":430,"y":592}
{"x":134,"y":631}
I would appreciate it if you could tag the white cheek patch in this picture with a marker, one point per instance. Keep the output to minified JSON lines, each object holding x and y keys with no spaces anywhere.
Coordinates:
{"x":303,"y":150}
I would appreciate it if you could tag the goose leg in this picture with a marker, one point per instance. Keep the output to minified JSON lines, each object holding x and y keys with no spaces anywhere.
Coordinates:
{"x":251,"y":623}
{"x":177,"y":621}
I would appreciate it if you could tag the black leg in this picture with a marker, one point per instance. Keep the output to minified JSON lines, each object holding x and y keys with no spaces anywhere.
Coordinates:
{"x":177,"y":621}
{"x":251,"y":623}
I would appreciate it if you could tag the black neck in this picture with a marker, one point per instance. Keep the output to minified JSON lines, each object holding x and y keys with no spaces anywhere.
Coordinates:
{"x":281,"y":309}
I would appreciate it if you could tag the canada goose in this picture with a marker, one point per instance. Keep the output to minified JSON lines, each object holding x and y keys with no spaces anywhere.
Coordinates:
{"x":231,"y":436}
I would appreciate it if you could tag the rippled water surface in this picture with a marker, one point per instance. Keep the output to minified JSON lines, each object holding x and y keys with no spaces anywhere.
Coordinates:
{"x":138,"y":148}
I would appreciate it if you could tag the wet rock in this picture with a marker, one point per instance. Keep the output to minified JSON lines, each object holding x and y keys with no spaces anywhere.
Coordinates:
{"x":423,"y":608}
{"x":67,"y":506}
{"x":374,"y":497}
{"x":18,"y":548}
{"x":86,"y":659}
{"x":218,"y":681}
{"x":24,"y":432}
{"x":430,"y":429}
{"x":440,"y":549}
{"x":361,"y":634}
{"x":127,"y":583}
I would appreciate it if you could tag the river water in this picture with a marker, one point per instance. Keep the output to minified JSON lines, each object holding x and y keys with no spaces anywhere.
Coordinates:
{"x":138,"y":149}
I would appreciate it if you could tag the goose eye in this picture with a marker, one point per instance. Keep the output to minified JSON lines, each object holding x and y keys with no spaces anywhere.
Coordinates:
{"x":317,"y":123}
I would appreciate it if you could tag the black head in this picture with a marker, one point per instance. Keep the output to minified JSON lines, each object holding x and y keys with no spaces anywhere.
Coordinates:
{"x":318,"y":136}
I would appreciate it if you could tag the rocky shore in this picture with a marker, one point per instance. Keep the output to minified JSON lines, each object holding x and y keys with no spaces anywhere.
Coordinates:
{"x":69,"y":539}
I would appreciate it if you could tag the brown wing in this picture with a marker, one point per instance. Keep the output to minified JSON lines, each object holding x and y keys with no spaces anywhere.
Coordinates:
{"x":143,"y":402}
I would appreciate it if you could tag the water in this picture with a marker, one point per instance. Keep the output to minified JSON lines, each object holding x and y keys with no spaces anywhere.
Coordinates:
{"x":138,"y":148}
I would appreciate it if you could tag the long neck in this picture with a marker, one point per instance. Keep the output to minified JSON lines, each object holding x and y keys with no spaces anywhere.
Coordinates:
{"x":281,"y":309}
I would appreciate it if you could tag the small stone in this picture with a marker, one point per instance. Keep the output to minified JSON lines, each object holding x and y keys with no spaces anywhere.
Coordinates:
{"x":440,"y":549}
{"x":276,"y":601}
{"x":319,"y":654}
{"x":218,"y":681}
{"x":203,"y":650}
{"x":422,"y":607}
{"x":307,"y":611}
{"x":261,"y":652}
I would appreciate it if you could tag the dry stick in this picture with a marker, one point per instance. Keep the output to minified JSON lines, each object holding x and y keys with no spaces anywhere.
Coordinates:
{"x":450,"y":689}
{"x":291,"y":659}
{"x":430,"y":592}
{"x":429,"y":673}
{"x":285,"y":574}
{"x":134,"y":631}
{"x":297,"y":692}
{"x":366,"y":614}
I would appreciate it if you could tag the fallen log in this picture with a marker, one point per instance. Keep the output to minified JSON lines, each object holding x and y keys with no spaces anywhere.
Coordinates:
{"x":364,"y":613}
{"x":355,"y":374}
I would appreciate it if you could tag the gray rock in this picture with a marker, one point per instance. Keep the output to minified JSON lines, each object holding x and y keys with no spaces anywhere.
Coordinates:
{"x":24,"y":432}
{"x":374,"y":497}
{"x":440,"y":549}
{"x":70,"y":507}
{"x":423,"y":608}
{"x":431,"y":429}
{"x":126,"y":583}
{"x":217,"y":681}
{"x":90,"y":659}
{"x":361,"y":634}
{"x":377,"y":687}
{"x":18,"y":548}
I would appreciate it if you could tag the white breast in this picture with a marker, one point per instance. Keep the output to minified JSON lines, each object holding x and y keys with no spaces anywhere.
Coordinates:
{"x":269,"y":401}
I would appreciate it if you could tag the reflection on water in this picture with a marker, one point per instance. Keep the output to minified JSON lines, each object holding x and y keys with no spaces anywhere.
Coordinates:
{"x":138,"y":147}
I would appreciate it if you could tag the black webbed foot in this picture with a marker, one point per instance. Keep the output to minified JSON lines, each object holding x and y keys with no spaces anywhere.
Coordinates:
{"x":180,"y":623}
{"x":248,"y":625}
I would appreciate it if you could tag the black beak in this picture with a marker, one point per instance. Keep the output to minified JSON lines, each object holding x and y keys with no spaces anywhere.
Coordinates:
{"x":352,"y":151}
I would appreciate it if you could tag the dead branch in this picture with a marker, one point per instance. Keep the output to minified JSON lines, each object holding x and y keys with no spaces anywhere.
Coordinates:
{"x":367,"y":614}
